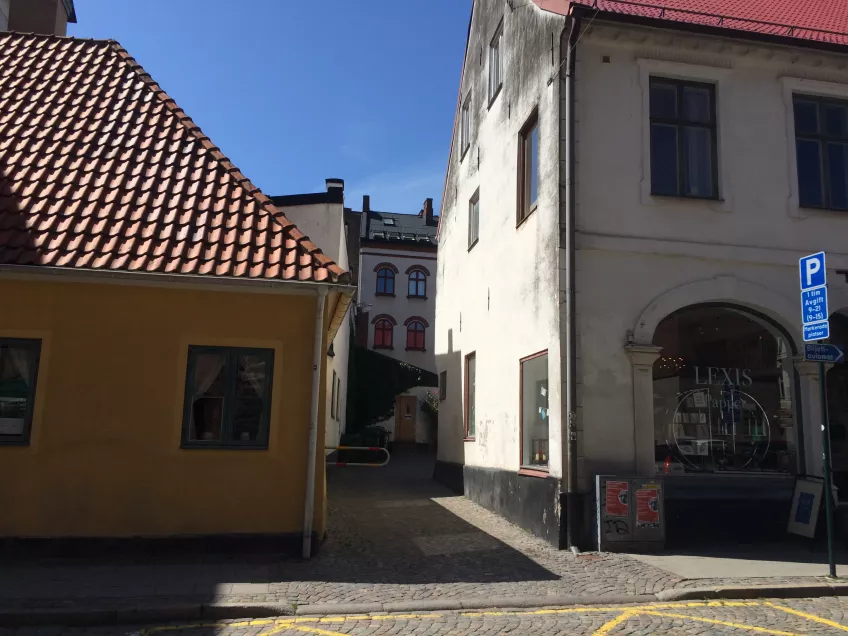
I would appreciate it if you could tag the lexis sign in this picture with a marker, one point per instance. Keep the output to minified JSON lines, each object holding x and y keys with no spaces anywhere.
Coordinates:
{"x":722,"y":376}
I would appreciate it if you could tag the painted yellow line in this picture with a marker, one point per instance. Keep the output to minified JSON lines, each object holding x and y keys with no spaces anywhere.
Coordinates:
{"x":809,"y":617}
{"x":713,"y":621}
{"x":315,"y":630}
{"x":280,"y":626}
{"x":607,"y":627}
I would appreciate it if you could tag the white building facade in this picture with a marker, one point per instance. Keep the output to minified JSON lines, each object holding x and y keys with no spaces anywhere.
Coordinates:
{"x":396,"y":301}
{"x":658,"y":184}
{"x":320,"y":215}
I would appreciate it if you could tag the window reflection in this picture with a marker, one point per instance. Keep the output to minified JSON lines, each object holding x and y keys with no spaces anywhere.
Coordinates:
{"x":722,"y":394}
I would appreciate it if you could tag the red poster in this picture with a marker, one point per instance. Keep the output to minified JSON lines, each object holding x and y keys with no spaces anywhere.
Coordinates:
{"x":647,"y":508}
{"x":616,"y":498}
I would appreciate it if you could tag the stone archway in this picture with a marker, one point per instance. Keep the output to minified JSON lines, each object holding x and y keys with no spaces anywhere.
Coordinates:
{"x":721,"y":289}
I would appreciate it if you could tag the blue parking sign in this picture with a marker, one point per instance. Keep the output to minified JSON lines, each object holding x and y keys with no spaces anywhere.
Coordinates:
{"x":812,"y":269}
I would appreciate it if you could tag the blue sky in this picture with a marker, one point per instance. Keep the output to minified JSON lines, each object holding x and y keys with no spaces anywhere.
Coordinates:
{"x":294,"y":91}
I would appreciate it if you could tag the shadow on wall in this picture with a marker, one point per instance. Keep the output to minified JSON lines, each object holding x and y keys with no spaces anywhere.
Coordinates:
{"x":449,"y":467}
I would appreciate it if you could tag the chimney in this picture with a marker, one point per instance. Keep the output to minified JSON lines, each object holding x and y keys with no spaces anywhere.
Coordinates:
{"x":48,"y":17}
{"x":428,"y":211}
{"x":334,"y":183}
{"x":365,"y":220}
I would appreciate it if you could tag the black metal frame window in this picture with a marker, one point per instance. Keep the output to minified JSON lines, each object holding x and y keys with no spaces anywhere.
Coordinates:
{"x":228,"y":397}
{"x":19,"y":360}
{"x":417,"y":284}
{"x":821,"y":147}
{"x":385,"y":282}
{"x":684,"y":146}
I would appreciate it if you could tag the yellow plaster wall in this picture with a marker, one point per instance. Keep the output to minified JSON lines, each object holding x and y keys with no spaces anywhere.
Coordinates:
{"x":104,"y":458}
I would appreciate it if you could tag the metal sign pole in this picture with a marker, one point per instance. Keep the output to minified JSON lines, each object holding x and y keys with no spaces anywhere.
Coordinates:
{"x":828,"y":488}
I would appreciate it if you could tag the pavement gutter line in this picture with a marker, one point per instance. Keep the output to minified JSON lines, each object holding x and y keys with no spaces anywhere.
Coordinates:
{"x":138,"y":614}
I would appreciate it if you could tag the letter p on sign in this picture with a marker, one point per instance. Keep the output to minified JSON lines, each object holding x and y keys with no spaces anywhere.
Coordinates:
{"x":812,"y":269}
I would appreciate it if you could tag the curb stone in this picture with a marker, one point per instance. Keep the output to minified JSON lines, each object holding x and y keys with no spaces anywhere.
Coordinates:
{"x":186,"y":612}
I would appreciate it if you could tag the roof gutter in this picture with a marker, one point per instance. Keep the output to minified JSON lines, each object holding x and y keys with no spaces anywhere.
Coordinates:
{"x":231,"y":284}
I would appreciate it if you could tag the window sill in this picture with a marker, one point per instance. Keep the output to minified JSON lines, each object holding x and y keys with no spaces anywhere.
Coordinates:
{"x":415,"y":349}
{"x":470,"y":247}
{"x":418,"y":297}
{"x":383,"y":294}
{"x":14,"y":442}
{"x":383,"y":347}
{"x":540,"y":473}
{"x":494,"y":96}
{"x":687,"y":197}
{"x":219,"y":446}
{"x":526,"y":216}
{"x":469,"y":439}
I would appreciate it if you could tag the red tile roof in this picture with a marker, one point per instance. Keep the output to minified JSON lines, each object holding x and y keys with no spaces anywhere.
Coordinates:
{"x":817,"y":20}
{"x":100,"y":169}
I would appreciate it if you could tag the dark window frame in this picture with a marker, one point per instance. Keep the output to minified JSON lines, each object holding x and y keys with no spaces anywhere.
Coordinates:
{"x":34,"y":345}
{"x":679,"y":122}
{"x":469,"y":389}
{"x":380,"y":326}
{"x":533,"y":470}
{"x":418,"y":282}
{"x":822,"y":138}
{"x":230,"y":370}
{"x":410,"y":330}
{"x":333,"y":397}
{"x":526,"y":206}
{"x":474,"y":219}
{"x":496,"y":56}
{"x":339,"y":399}
{"x":386,"y":275}
{"x":465,"y":126}
{"x":443,"y":385}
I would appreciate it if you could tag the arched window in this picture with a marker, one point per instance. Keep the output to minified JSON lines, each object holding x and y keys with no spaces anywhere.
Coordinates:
{"x":383,"y":334}
{"x":415,"y":336}
{"x":417,"y":284}
{"x":385,"y":282}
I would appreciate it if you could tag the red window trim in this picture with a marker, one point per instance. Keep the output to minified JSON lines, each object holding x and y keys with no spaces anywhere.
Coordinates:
{"x":419,"y":268}
{"x":423,"y":334}
{"x":380,"y":320}
{"x":386,"y":265}
{"x":522,"y":214}
{"x":535,"y":469}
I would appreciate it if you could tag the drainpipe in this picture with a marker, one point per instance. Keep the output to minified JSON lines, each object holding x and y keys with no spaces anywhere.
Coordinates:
{"x":317,"y":353}
{"x":570,"y":330}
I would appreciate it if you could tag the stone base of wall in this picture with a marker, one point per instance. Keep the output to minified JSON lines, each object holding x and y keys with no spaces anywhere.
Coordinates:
{"x":532,"y":503}
{"x":449,"y":474}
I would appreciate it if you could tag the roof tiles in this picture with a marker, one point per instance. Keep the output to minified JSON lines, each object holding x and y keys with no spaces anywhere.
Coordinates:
{"x":814,"y":20}
{"x":99,"y":169}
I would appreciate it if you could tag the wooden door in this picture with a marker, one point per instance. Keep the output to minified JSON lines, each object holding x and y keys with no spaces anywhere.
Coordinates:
{"x":405,"y":418}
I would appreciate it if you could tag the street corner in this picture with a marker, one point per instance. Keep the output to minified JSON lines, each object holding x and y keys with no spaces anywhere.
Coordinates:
{"x":757,"y":616}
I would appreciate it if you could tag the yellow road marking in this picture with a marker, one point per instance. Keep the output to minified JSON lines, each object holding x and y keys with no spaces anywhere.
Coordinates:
{"x":607,"y":627}
{"x":809,"y":617}
{"x":713,"y":621}
{"x":315,"y":630}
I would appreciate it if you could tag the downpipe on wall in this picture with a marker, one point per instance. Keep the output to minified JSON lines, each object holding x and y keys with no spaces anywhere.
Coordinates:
{"x":570,"y":331}
{"x":311,"y":461}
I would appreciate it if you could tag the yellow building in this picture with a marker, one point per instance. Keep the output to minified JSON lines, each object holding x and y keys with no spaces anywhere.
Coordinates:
{"x":163,"y":328}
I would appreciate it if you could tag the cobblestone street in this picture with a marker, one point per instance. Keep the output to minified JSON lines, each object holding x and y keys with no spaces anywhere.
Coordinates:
{"x":777,"y":617}
{"x":394,"y":536}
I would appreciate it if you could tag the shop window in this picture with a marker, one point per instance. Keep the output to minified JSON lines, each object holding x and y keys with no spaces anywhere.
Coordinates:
{"x":683,"y":139}
{"x":528,"y":168}
{"x":534,"y":411}
{"x":415,"y":336}
{"x":821,"y":146}
{"x":18,"y":372}
{"x":417,"y":284}
{"x":385,"y":282}
{"x":470,"y":395}
{"x":228,"y":397}
{"x":722,"y":394}
{"x":383,"y":334}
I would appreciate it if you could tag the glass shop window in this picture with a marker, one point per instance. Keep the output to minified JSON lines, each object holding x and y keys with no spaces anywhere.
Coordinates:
{"x":534,"y":411}
{"x":722,"y":394}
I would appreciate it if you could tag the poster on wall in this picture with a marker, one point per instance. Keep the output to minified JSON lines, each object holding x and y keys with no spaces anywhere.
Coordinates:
{"x":616,"y":499}
{"x":647,"y":508}
{"x":806,"y":502}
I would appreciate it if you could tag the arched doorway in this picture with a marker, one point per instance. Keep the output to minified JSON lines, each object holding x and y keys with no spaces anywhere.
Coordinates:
{"x":725,"y":431}
{"x":837,"y":408}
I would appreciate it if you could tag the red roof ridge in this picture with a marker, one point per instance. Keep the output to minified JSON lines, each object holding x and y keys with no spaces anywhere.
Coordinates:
{"x":196,"y":132}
